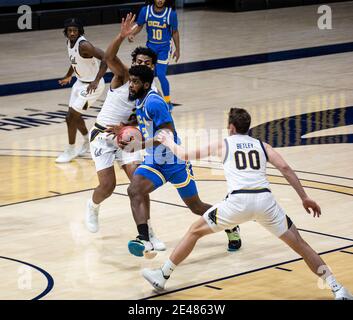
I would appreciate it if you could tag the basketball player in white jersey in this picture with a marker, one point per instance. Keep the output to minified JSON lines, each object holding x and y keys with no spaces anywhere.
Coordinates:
{"x":117,"y":109}
{"x":87,"y":88}
{"x":249,"y":198}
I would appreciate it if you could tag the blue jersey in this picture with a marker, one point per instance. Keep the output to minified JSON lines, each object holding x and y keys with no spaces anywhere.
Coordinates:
{"x":151,"y":114}
{"x":159,"y":26}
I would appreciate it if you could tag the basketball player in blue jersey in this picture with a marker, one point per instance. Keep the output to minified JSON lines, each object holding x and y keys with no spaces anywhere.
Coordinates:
{"x":162,"y":26}
{"x":160,"y":164}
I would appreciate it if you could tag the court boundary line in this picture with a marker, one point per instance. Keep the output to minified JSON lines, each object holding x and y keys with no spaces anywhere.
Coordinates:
{"x":239,"y":274}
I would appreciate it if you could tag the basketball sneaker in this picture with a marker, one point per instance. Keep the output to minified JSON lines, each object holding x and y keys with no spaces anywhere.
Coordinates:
{"x":67,"y":155}
{"x":84,"y":149}
{"x":91,"y":218}
{"x":155,"y":277}
{"x":234,"y":241}
{"x":158,"y":245}
{"x":141,"y":248}
{"x":342,"y":294}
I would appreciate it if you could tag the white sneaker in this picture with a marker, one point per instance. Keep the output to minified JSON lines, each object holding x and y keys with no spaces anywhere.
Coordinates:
{"x":158,"y":245}
{"x":84,"y":149}
{"x":92,"y":217}
{"x":66,"y":156}
{"x":343,"y":294}
{"x":155,"y":277}
{"x":141,"y":248}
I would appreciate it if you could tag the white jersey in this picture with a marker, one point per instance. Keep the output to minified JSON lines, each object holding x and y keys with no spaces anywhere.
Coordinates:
{"x":245,"y":163}
{"x":86,"y":69}
{"x":117,"y":107}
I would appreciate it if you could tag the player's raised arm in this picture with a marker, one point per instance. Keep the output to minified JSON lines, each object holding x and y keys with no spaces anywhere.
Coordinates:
{"x":276,"y":159}
{"x":114,"y":63}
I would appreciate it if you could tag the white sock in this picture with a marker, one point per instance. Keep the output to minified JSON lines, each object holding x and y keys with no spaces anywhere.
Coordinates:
{"x":333,"y":284}
{"x":71,"y":147}
{"x":85,"y":138}
{"x":93,"y":205}
{"x":168,"y":268}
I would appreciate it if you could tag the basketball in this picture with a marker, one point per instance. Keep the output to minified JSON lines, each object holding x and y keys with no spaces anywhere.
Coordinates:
{"x":128,"y":134}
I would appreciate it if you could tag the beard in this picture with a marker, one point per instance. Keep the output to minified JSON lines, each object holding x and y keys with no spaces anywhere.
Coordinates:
{"x":136,"y":95}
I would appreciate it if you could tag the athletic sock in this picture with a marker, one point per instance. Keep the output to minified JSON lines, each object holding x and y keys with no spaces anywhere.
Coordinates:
{"x":168,"y":268}
{"x":143,"y":232}
{"x":93,"y":205}
{"x":85,"y":137}
{"x":333,"y":284}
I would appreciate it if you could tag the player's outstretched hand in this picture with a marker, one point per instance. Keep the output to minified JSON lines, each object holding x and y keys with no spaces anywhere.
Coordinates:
{"x":65,"y":81}
{"x":113,"y":129}
{"x":311,"y":204}
{"x":128,"y":25}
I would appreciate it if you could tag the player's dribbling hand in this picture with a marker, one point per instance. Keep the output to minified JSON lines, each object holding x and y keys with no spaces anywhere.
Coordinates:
{"x":65,"y":81}
{"x":311,"y":204}
{"x":165,"y":137}
{"x":113,"y":129}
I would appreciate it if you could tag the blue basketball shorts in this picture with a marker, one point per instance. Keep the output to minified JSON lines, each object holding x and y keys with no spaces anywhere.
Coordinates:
{"x":178,"y":174}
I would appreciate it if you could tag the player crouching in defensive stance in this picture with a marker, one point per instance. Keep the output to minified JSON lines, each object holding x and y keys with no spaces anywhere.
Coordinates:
{"x":249,"y":198}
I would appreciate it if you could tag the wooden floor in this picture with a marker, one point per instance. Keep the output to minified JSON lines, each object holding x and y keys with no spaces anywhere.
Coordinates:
{"x":46,"y":251}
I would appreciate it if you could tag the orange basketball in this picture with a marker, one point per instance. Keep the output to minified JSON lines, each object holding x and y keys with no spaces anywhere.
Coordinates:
{"x":129,"y":133}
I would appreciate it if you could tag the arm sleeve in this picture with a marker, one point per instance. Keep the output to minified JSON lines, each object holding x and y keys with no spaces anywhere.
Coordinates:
{"x":173,"y":21}
{"x":158,"y":112}
{"x":142,"y":16}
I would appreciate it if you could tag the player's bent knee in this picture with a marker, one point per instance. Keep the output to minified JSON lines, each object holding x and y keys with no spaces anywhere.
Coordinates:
{"x":108,"y":187}
{"x":133,"y":191}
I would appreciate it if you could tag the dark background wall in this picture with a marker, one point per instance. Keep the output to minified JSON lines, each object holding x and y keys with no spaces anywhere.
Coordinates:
{"x":50,"y":14}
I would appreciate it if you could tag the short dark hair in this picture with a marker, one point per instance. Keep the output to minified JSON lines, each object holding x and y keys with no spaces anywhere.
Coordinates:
{"x":145,"y":73}
{"x":168,"y":3}
{"x":74,"y":22}
{"x":240,"y":118}
{"x":146,"y":52}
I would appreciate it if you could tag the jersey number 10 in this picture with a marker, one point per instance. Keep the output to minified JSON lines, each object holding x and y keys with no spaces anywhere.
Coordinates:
{"x":244,"y":160}
{"x":157,"y":34}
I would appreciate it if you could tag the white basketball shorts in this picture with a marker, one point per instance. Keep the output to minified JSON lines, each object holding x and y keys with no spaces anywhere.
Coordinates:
{"x":80,"y":99}
{"x":105,"y":151}
{"x":242,"y":207}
